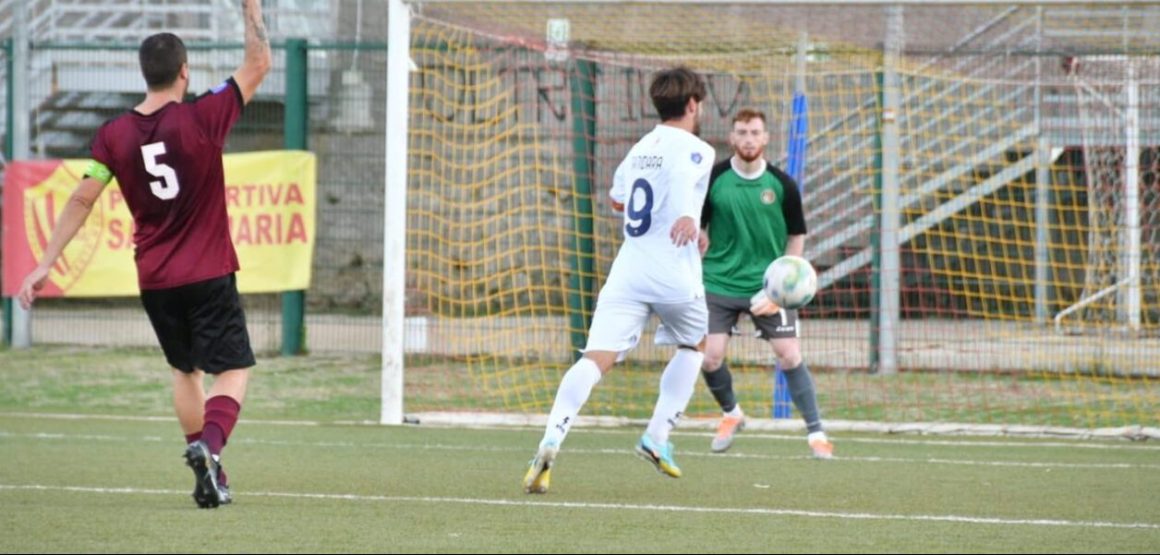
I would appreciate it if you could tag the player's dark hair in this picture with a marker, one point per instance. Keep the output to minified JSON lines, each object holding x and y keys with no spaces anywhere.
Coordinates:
{"x":161,"y":57}
{"x":671,"y":90}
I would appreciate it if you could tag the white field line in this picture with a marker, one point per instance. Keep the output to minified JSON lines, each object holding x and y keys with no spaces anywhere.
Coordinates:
{"x":52,"y":436}
{"x":1088,"y":443}
{"x":611,"y":506}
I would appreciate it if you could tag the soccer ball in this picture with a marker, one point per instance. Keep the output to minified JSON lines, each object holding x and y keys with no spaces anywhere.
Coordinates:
{"x":790,"y":281}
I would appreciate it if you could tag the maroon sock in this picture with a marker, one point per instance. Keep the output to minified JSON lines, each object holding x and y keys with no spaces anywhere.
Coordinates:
{"x":222,"y":478}
{"x":221,"y":413}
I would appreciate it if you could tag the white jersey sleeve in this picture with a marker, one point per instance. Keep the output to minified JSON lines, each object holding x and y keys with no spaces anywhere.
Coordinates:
{"x":663,"y":178}
{"x":687,"y":201}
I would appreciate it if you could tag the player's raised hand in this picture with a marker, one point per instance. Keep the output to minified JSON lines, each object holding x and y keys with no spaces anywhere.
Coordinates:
{"x":684,"y":231}
{"x":258,"y":58}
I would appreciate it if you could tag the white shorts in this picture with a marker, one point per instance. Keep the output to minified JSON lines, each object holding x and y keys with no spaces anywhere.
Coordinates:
{"x":617,"y":324}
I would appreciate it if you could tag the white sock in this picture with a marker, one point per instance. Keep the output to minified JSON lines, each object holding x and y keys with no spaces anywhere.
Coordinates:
{"x":574,"y":389}
{"x":816,"y":436}
{"x":677,"y":385}
{"x":736,"y":412}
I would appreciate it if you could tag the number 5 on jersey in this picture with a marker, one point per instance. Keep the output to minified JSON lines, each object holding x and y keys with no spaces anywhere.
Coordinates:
{"x":167,"y":187}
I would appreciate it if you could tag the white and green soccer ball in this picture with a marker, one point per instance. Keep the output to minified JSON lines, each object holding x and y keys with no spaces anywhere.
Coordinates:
{"x":791,"y":282}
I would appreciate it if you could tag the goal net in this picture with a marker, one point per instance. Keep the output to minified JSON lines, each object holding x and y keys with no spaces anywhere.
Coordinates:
{"x":1011,"y":210}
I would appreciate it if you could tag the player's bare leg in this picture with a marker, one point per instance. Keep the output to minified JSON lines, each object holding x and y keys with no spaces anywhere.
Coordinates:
{"x":189,"y":402}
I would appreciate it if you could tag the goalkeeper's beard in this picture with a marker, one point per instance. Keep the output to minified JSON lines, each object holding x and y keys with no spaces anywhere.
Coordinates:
{"x":747,"y":158}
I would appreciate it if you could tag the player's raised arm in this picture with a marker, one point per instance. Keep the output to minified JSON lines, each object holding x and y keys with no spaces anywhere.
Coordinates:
{"x":258,"y":59}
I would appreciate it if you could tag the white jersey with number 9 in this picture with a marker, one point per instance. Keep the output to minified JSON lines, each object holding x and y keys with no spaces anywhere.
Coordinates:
{"x":663,"y":178}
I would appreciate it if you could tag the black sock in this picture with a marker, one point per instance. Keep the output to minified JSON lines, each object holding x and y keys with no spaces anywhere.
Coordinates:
{"x":805,"y":398}
{"x":720,"y":383}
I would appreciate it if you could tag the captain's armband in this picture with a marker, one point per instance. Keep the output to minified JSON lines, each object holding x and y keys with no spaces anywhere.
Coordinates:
{"x":99,"y":171}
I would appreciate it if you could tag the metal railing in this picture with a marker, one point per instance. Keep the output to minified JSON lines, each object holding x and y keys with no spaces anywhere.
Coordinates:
{"x":122,"y":21}
{"x":845,"y":179}
{"x":850,"y":189}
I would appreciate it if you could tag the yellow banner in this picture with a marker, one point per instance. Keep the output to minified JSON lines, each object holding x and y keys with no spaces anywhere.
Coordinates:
{"x":270,"y":197}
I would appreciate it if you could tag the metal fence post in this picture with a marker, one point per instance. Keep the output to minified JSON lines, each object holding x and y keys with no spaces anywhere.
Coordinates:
{"x":295,"y":131}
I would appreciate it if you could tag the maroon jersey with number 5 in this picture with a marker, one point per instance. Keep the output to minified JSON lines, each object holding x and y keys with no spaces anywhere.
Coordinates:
{"x":169,"y":167}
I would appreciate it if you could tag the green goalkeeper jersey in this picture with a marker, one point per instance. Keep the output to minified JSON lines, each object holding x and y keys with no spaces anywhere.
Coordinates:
{"x":749,"y":222}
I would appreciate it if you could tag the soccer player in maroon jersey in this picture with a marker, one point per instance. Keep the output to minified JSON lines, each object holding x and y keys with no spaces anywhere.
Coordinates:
{"x":166,"y":155}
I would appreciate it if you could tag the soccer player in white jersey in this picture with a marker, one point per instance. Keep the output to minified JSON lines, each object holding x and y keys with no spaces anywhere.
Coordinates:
{"x":660,"y":187}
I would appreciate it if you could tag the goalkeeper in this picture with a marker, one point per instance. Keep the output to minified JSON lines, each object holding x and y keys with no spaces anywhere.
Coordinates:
{"x":752,"y":215}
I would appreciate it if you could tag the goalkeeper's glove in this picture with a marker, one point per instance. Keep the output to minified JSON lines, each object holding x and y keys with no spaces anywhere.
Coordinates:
{"x":761,"y":305}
